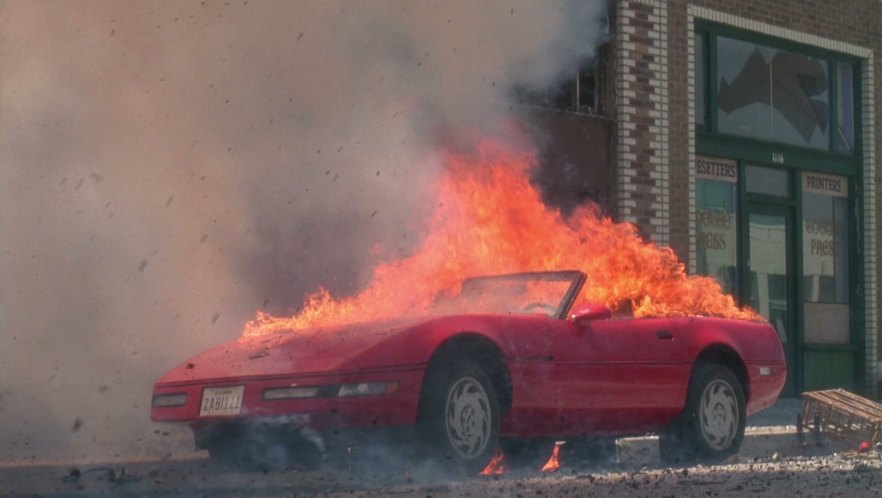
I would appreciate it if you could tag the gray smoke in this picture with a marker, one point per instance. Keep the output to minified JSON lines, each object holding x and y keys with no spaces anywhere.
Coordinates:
{"x":167,"y":169}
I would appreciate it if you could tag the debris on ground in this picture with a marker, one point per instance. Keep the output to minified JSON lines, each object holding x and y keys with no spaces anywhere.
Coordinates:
{"x":114,"y":475}
{"x":839,"y":414}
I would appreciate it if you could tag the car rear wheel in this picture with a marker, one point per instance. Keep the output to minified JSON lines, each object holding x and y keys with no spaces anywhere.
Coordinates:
{"x":459,"y":416}
{"x":711,"y":426}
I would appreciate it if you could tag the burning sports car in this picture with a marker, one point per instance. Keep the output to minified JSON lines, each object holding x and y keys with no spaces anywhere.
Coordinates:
{"x":504,"y":361}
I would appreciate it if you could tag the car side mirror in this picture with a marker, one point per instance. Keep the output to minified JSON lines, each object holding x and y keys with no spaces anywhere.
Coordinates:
{"x":590,"y":311}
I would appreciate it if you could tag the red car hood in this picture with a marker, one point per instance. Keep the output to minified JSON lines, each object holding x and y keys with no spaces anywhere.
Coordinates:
{"x":300,"y":352}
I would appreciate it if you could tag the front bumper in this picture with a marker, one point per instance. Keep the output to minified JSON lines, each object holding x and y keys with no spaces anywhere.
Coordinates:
{"x":320,"y":413}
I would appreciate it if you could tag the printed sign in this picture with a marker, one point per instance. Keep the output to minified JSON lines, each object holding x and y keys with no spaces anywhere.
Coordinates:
{"x":715,"y":168}
{"x":819,"y":183}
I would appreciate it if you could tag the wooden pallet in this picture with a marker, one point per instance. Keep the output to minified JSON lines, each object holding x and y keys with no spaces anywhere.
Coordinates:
{"x":839,"y":413}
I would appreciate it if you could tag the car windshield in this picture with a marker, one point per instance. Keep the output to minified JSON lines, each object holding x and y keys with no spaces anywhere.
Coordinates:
{"x":549,"y":293}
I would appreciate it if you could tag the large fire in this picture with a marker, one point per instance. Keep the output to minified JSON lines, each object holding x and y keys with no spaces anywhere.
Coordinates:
{"x":489,"y":220}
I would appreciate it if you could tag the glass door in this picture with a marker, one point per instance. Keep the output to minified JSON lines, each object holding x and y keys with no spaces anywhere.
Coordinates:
{"x":769,"y":270}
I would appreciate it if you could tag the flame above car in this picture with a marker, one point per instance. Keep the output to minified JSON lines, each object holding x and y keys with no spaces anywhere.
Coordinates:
{"x":490,"y":219}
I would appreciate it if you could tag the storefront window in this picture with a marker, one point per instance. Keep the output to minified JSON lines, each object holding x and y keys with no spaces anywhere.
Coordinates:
{"x":845,"y":107}
{"x":772,"y":94}
{"x":825,"y":257}
{"x":759,"y":180}
{"x":775,"y":235}
{"x":715,"y":199}
{"x":700,"y":80}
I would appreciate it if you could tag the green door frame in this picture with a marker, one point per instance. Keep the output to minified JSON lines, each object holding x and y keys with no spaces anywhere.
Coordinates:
{"x":795,"y":159}
{"x":792,"y":346}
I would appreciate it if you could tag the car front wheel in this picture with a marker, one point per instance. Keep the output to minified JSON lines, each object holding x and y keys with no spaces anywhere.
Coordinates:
{"x":459,"y":416}
{"x":711,"y":426}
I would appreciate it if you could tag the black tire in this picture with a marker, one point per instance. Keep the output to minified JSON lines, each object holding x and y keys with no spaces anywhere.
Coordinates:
{"x":458,"y":419}
{"x":711,"y":427}
{"x":245,"y":455}
{"x":224,"y":453}
{"x":526,"y":454}
{"x":253,"y":449}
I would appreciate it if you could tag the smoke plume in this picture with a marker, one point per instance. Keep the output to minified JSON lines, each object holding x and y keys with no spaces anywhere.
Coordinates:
{"x":169,"y":168}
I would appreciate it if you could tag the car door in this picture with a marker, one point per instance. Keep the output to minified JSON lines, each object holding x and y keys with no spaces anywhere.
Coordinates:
{"x":618,"y":375}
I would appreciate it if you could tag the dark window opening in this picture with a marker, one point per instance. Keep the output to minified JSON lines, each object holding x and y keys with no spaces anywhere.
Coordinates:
{"x":577,"y":92}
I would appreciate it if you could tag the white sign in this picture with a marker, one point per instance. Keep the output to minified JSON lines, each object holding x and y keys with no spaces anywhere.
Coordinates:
{"x":715,"y":168}
{"x":819,"y":183}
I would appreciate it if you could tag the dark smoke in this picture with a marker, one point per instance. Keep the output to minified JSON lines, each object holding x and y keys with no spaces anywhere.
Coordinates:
{"x":169,"y":168}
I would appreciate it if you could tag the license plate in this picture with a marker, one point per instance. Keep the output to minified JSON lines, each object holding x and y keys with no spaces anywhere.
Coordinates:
{"x":221,"y":401}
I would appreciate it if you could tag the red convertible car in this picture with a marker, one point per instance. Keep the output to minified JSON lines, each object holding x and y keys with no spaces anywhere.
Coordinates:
{"x":508,"y":361}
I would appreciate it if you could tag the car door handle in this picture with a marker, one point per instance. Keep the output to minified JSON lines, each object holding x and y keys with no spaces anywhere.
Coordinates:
{"x":664,"y":335}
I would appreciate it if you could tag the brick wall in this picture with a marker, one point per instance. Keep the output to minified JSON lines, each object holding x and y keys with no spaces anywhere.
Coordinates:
{"x":642,"y":113}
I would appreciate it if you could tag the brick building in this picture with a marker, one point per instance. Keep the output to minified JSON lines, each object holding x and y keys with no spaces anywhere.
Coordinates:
{"x":742,"y":134}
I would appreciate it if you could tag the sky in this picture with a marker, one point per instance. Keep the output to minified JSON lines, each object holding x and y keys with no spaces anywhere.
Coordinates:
{"x":166,"y":169}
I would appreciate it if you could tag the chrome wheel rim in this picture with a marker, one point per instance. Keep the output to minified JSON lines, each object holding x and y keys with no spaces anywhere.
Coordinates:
{"x":719,"y":415}
{"x":468,"y":417}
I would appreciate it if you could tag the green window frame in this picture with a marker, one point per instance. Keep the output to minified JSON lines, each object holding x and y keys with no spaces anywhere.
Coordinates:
{"x":838,"y":156}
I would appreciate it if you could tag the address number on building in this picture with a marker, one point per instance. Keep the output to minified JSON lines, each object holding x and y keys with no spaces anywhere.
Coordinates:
{"x":778,"y":157}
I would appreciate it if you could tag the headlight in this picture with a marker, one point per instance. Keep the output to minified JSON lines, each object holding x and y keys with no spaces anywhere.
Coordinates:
{"x":290,"y":392}
{"x":367,"y":389}
{"x":177,"y":399}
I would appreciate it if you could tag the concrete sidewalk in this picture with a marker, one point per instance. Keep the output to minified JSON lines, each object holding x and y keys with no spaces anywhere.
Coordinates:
{"x":772,"y":432}
{"x":782,"y":413}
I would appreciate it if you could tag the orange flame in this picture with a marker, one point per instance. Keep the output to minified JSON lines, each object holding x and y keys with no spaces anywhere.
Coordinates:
{"x":490,"y":219}
{"x":495,"y":467}
{"x":553,"y":463}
